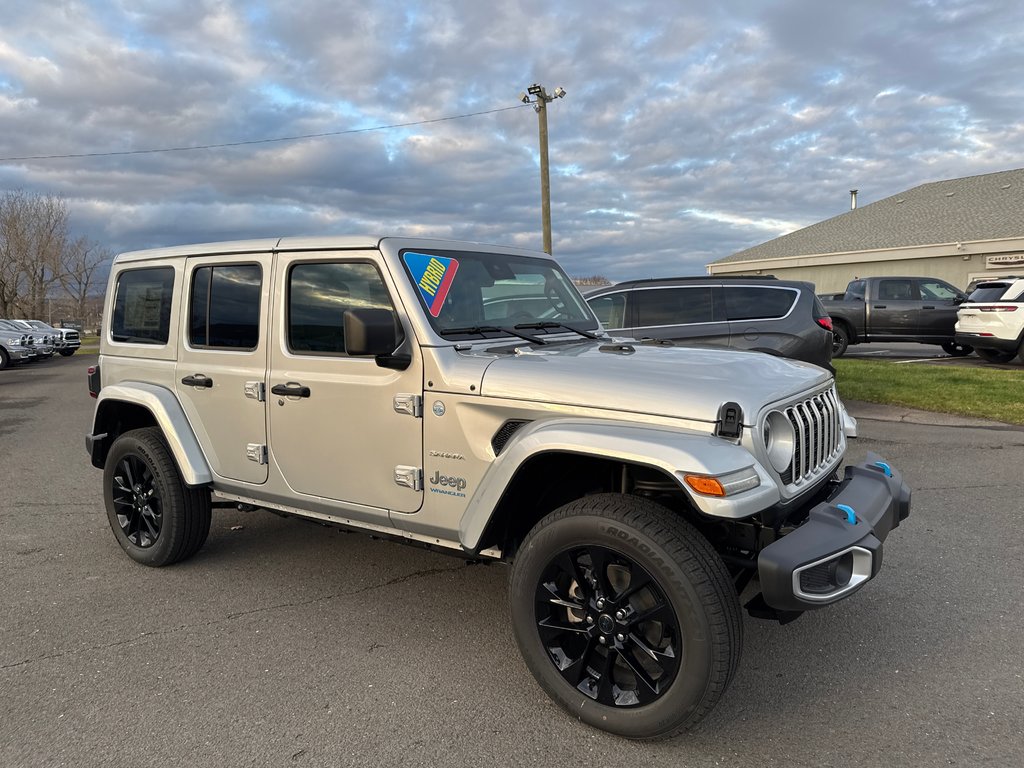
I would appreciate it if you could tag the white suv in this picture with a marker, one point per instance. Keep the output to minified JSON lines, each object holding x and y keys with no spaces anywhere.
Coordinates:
{"x":992,"y":320}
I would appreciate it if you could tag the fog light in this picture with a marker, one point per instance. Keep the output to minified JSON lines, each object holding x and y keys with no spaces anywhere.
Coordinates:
{"x":840,"y":570}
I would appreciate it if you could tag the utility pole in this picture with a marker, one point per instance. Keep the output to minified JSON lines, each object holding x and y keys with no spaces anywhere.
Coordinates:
{"x":540,"y":105}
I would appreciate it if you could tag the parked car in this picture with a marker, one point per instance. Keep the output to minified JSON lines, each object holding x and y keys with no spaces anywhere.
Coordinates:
{"x":780,"y":317}
{"x":636,"y":490}
{"x":992,"y":320}
{"x":66,"y":341}
{"x":41,"y":340}
{"x":873,"y":309}
{"x":14,"y":347}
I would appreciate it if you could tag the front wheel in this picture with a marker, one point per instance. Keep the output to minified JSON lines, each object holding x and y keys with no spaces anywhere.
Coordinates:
{"x":626,"y":616}
{"x":67,"y":352}
{"x":156,"y":518}
{"x":956,"y":350}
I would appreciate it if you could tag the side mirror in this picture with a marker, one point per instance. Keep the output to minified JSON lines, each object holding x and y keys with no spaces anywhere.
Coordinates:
{"x":370,"y":332}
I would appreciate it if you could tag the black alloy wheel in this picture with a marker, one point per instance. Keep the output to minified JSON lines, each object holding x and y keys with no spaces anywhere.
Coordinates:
{"x":626,"y":616}
{"x":155,"y":517}
{"x":137,"y":502}
{"x":607,"y":626}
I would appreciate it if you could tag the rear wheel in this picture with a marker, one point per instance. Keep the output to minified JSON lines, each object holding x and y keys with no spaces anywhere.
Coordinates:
{"x":626,"y":616}
{"x":995,"y":356}
{"x":956,"y":350}
{"x":840,"y":340}
{"x":156,"y":518}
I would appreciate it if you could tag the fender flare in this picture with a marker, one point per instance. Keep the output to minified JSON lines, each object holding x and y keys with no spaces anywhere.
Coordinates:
{"x":675,"y":452}
{"x":169,"y":416}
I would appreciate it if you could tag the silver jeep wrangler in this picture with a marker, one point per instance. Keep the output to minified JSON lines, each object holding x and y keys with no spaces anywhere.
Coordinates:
{"x":464,"y":397}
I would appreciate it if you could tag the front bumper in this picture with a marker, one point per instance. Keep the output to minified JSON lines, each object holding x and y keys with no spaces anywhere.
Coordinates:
{"x":20,"y":353}
{"x":838,"y":548}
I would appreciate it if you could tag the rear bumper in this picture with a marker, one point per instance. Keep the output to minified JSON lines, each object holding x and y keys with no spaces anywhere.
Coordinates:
{"x":988,"y":342}
{"x":839,"y":547}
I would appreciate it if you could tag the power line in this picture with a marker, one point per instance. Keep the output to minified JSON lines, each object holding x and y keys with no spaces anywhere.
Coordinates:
{"x":258,"y":141}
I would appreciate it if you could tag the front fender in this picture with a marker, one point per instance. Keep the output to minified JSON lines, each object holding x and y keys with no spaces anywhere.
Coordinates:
{"x":169,"y":416}
{"x":675,"y":452}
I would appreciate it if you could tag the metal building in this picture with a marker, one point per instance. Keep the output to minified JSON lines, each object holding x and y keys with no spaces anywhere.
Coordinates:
{"x":958,"y":230}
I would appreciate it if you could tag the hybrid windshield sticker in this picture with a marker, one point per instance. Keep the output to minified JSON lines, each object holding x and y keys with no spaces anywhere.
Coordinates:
{"x":433,"y":276}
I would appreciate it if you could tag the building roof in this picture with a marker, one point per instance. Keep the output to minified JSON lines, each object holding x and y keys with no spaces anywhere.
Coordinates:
{"x":986,"y":207}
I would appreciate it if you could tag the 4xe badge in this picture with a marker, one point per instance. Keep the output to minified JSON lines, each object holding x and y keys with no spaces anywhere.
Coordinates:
{"x":433,"y":276}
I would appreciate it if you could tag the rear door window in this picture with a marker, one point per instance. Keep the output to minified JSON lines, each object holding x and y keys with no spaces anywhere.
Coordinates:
{"x":684,"y":305}
{"x":754,"y":302}
{"x":225,"y":306}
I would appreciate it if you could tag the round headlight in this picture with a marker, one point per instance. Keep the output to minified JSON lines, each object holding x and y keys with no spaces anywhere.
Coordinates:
{"x":779,"y":440}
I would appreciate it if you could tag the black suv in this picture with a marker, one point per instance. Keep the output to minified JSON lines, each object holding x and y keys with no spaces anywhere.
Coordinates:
{"x":780,"y":317}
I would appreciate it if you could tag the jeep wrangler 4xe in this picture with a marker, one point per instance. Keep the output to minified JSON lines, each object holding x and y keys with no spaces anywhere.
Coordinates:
{"x":636,"y":489}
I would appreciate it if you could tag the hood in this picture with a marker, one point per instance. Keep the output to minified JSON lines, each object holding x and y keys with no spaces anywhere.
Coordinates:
{"x":684,"y":382}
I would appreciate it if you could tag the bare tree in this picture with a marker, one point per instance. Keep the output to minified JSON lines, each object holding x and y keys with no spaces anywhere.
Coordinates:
{"x":80,"y":272}
{"x":33,"y":239}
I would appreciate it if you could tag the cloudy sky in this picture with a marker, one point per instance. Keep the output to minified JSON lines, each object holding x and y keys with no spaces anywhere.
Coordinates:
{"x":690,"y":130}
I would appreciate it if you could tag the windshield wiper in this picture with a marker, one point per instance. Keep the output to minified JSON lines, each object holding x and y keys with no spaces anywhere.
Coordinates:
{"x":548,"y":324}
{"x":483,"y":329}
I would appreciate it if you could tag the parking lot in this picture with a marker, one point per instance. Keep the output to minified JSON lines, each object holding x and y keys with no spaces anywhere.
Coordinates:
{"x":287,"y":643}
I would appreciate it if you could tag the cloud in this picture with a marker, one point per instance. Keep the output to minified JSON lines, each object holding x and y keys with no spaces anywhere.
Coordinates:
{"x":688,"y":133}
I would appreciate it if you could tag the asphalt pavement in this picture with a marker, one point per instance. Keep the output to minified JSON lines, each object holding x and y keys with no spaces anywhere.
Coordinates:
{"x":284,"y":643}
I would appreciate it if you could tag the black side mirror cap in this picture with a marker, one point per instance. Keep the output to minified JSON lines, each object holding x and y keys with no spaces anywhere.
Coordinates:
{"x":370,"y":332}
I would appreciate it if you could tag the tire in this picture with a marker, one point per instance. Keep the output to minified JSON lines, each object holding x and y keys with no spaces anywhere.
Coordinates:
{"x":67,"y":352}
{"x":840,"y":340}
{"x":956,"y":350}
{"x":995,"y":355}
{"x":686,"y":649}
{"x":156,"y":518}
{"x":5,"y":359}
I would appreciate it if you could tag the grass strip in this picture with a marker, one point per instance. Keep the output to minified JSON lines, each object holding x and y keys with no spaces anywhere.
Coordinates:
{"x":979,"y":392}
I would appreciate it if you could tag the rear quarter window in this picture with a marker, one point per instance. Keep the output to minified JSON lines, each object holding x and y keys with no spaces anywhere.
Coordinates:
{"x":752,"y":302}
{"x":142,"y":306}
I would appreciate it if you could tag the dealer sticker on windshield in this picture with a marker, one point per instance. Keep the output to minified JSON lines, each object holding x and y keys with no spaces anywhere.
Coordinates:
{"x":433,"y":276}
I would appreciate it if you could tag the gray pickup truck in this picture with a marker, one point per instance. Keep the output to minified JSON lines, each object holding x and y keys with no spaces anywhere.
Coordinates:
{"x":465,"y":398}
{"x":873,"y":309}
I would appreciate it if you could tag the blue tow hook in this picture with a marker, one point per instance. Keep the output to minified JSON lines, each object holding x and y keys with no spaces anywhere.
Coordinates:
{"x":884,"y":467}
{"x":851,"y":516}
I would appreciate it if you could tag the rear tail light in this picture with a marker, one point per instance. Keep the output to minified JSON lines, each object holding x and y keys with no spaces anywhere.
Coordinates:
{"x":824,"y":322}
{"x":996,"y":309}
{"x":94,"y":380}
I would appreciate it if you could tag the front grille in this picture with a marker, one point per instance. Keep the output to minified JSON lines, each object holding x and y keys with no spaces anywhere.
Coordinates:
{"x":71,"y":335}
{"x":817,"y":426}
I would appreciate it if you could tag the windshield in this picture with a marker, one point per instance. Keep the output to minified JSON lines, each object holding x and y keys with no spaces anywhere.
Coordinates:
{"x":473,"y":295}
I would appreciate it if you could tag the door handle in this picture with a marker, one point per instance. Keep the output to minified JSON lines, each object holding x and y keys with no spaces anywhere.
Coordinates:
{"x":197,"y":380}
{"x":291,"y":389}
{"x":879,"y":306}
{"x":928,"y":306}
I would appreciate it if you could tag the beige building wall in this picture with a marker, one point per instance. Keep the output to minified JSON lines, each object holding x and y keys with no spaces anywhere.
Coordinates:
{"x":956,"y":263}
